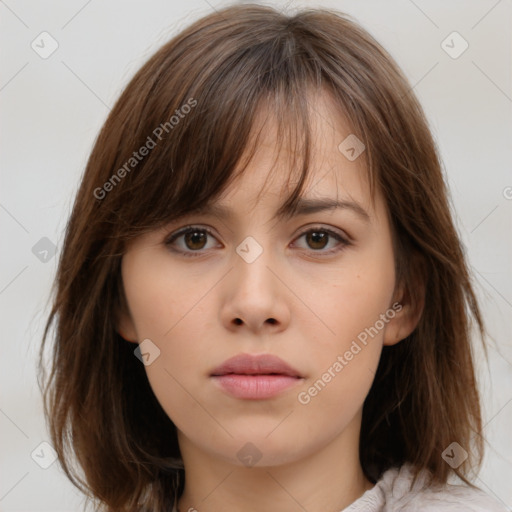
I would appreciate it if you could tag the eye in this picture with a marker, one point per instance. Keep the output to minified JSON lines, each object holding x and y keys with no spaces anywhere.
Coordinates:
{"x":194,"y":240}
{"x":318,"y":239}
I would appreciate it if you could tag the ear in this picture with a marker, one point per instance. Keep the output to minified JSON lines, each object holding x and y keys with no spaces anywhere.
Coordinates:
{"x":125,"y":326}
{"x":408,"y":307}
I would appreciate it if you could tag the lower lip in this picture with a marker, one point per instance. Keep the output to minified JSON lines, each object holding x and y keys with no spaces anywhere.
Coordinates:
{"x":255,"y":387}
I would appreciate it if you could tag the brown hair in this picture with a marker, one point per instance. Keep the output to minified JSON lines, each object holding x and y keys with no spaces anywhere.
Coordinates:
{"x":225,"y":67}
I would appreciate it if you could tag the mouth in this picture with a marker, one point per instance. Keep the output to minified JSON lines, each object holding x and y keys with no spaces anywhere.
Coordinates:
{"x":255,"y":377}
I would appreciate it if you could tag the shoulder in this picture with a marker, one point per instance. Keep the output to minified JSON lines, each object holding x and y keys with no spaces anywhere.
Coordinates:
{"x":393,"y":492}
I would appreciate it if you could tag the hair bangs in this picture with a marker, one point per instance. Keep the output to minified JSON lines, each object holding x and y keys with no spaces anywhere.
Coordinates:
{"x":210,"y":146}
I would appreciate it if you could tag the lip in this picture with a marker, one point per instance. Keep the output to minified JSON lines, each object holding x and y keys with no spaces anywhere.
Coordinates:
{"x":255,"y":377}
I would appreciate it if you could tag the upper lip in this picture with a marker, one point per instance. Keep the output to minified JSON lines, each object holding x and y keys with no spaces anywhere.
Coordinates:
{"x":262,"y":364}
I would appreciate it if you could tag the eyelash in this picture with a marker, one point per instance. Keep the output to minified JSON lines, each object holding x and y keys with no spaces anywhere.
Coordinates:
{"x":194,"y":254}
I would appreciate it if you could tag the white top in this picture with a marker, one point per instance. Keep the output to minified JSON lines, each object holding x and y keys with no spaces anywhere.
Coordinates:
{"x":392,"y":494}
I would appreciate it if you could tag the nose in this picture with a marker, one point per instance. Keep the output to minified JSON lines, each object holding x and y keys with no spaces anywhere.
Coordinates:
{"x":255,"y":296}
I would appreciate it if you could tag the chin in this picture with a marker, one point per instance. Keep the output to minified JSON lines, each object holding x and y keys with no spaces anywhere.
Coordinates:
{"x":256,"y":447}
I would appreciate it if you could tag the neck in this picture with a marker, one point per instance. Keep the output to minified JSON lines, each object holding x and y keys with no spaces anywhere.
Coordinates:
{"x":329,"y":479}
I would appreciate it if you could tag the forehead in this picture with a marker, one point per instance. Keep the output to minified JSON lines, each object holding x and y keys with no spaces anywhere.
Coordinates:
{"x":277,"y":152}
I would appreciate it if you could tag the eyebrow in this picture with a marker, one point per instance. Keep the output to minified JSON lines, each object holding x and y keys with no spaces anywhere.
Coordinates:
{"x":304,"y":206}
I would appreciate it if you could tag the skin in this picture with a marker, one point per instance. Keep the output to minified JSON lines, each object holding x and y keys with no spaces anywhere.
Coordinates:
{"x":187,"y":306}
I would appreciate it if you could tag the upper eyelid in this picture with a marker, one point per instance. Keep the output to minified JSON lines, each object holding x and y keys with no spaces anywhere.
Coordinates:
{"x":198,"y":224}
{"x":318,"y":226}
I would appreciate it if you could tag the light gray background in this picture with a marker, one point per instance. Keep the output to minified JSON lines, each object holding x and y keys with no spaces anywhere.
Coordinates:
{"x":53,"y":108}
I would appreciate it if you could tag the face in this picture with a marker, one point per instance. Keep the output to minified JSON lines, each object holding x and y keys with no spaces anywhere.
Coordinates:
{"x":316,"y":290}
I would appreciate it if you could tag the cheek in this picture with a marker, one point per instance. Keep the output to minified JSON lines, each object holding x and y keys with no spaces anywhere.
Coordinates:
{"x":338,"y":392}
{"x":165,"y":308}
{"x":157,"y":296}
{"x":346,"y":359}
{"x":352,"y":297}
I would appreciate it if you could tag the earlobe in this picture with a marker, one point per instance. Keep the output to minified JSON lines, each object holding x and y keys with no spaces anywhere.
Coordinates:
{"x":407,"y":317}
{"x":125,"y":337}
{"x":125,"y":328}
{"x":399,"y":327}
{"x":392,"y":335}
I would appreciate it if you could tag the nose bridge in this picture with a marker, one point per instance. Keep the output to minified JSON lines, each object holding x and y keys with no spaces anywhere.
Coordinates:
{"x":253,"y":258}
